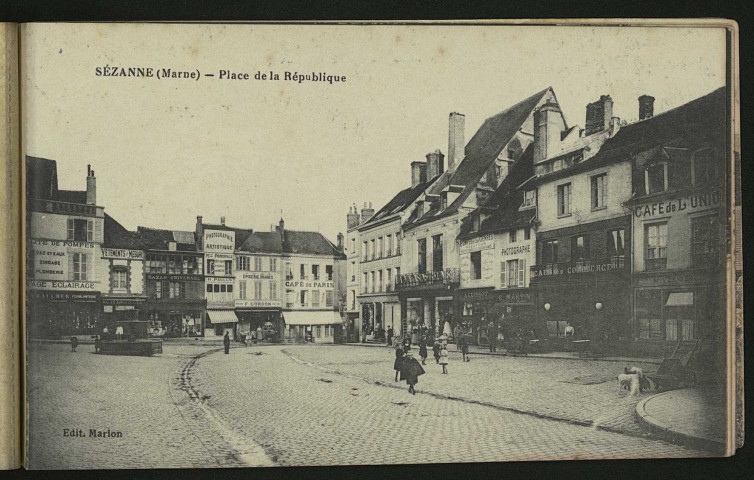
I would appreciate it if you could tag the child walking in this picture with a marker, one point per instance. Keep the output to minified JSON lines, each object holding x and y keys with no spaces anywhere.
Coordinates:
{"x":444,"y":358}
{"x":398,"y":364}
{"x":436,"y":351}
{"x":423,"y":350}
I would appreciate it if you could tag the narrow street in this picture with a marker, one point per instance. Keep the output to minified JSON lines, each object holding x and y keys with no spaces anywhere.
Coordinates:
{"x":319,"y":405}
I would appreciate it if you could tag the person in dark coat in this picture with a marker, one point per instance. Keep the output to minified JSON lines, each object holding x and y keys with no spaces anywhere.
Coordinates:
{"x":492,"y":336}
{"x":463,"y":346}
{"x":410,"y":372}
{"x":226,"y":343}
{"x":423,"y":350}
{"x":74,"y":343}
{"x":398,"y":364}
{"x":436,"y":350}
{"x":390,"y":336}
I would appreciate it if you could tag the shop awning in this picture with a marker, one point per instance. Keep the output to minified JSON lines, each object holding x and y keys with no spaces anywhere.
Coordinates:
{"x":680,"y":299}
{"x":222,"y":316}
{"x":311,"y":318}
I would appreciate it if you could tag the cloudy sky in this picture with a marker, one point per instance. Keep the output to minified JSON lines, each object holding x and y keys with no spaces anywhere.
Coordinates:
{"x":165,"y":151}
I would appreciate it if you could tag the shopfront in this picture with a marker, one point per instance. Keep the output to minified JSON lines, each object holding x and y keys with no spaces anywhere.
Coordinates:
{"x":56,"y":313}
{"x":259,"y":314}
{"x":121,"y":309}
{"x":428,"y":299}
{"x":511,"y":312}
{"x":174,"y":318}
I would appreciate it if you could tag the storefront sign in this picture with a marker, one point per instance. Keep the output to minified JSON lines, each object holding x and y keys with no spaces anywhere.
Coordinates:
{"x":185,"y":278}
{"x":484,"y":242}
{"x":511,"y":298}
{"x":566,"y":269}
{"x":219,"y":279}
{"x":219,"y":241}
{"x":683,"y":204}
{"x":51,"y":257}
{"x":258,"y":276}
{"x":258,"y":304}
{"x":123,"y":301}
{"x":63,"y":296}
{"x":123,"y":253}
{"x":516,"y":250}
{"x":447,"y":276}
{"x":307,"y":284}
{"x":60,"y":285}
{"x":219,"y":256}
{"x":671,"y":279}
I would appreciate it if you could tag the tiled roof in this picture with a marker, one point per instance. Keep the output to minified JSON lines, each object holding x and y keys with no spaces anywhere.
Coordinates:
{"x":117,"y":236}
{"x":308,"y":243}
{"x":41,"y":178}
{"x":694,"y":123}
{"x":158,"y":239}
{"x":481,"y":151}
{"x":262,"y":242}
{"x":71,"y":196}
{"x":400,"y":202}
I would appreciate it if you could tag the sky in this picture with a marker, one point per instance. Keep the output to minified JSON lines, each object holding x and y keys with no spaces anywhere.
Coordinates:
{"x":167,"y":150}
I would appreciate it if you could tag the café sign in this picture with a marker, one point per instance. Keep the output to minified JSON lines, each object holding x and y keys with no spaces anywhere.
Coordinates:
{"x":306,"y":284}
{"x":687,"y":204}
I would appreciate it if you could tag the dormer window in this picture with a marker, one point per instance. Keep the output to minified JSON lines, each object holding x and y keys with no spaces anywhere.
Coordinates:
{"x":702,"y":172}
{"x":530,"y":199}
{"x":443,"y":201}
{"x":511,"y":153}
{"x":172,"y":246}
{"x":419,"y":209}
{"x":475,"y":221}
{"x":656,"y":178}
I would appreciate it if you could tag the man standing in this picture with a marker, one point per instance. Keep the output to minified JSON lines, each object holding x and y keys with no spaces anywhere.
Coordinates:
{"x":226,"y":343}
{"x":390,"y":336}
{"x":492,"y":336}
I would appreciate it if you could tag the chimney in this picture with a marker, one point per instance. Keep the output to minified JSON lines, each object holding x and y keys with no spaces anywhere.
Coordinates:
{"x":340,"y":242}
{"x":352,"y":220}
{"x":456,"y":142}
{"x":199,"y":232}
{"x":281,"y":229}
{"x":367,"y":212}
{"x":91,"y":186}
{"x":222,"y":220}
{"x":435,"y":164}
{"x":418,"y":173}
{"x":546,"y":131}
{"x":614,"y":126}
{"x":646,"y":107}
{"x":598,"y":115}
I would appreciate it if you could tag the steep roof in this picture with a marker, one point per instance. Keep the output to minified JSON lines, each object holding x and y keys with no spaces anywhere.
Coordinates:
{"x":400,"y":202}
{"x":262,"y":242}
{"x":241,"y":234}
{"x":696,"y":122}
{"x":309,"y":243}
{"x":41,"y":178}
{"x":158,"y":239}
{"x":71,"y":196}
{"x":117,"y":236}
{"x":481,"y":151}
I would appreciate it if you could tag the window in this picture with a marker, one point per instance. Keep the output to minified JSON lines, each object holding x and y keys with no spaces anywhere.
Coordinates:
{"x":564,"y":200}
{"x":174,"y":264}
{"x":512,"y":273}
{"x":511,"y":153}
{"x":649,"y":314}
{"x":353,"y":271}
{"x":550,"y":252}
{"x":703,"y":172}
{"x":364,"y":251}
{"x":216,"y":288}
{"x":158,"y":289}
{"x":257,"y":290}
{"x":397,"y":244}
{"x":381,"y":281}
{"x":273,"y":291}
{"x":530,"y":198}
{"x":512,"y":236}
{"x":599,"y":191}
{"x":364,"y":282}
{"x":476,"y":265}
{"x":273,"y":264}
{"x":329,"y":298}
{"x":527,"y":233}
{"x":319,"y":331}
{"x":290,"y":297}
{"x":656,"y":178}
{"x":328,"y":272}
{"x":380,"y":247}
{"x":304,"y":298}
{"x":80,"y":230}
{"x":476,"y":221}
{"x":373,"y":282}
{"x":616,"y":247}
{"x":371,"y":249}
{"x":353,"y":245}
{"x":155,"y":264}
{"x":119,"y":278}
{"x":315,"y":298}
{"x":242,"y":289}
{"x":579,"y":249}
{"x":389,"y":285}
{"x":419,"y":209}
{"x":421,"y":247}
{"x":210,"y":267}
{"x":79,"y":266}
{"x":302,"y":272}
{"x":257,"y":264}
{"x":327,"y":331}
{"x":177,"y":290}
{"x":656,"y":238}
{"x":389,"y":245}
{"x":703,"y":241}
{"x":242,"y":263}
{"x":315,"y":272}
{"x":228,"y":267}
{"x":288,"y":271}
{"x":437,"y":254}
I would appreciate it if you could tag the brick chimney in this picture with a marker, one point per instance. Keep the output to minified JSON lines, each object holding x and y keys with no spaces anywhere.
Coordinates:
{"x":435,"y":164}
{"x":91,"y":186}
{"x":222,"y":220}
{"x":199,"y":232}
{"x":418,"y":173}
{"x":340,"y":242}
{"x":456,"y":141}
{"x":646,"y":107}
{"x":367,"y":212}
{"x":546,"y":131}
{"x":598,"y":115}
{"x":352,"y":219}
{"x":281,"y":229}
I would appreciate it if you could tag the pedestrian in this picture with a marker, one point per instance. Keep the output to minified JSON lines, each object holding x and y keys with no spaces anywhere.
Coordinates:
{"x":444,"y":358}
{"x":226,"y":343}
{"x":105,"y":333}
{"x":423,"y":350}
{"x":436,"y":350}
{"x":410,"y":372}
{"x":406,"y":343}
{"x":457,"y":332}
{"x":398,"y":364}
{"x":492,"y":336}
{"x":119,"y":332}
{"x":74,"y":344}
{"x":463,"y":343}
{"x":389,"y":336}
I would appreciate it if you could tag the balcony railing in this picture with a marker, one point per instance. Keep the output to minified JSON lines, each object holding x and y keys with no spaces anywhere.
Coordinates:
{"x":449,"y":276}
{"x":656,"y":263}
{"x":596,"y":265}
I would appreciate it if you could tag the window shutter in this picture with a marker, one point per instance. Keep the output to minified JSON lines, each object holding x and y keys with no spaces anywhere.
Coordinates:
{"x":521,"y":274}
{"x":70,"y":229}
{"x":503,"y":271}
{"x":70,"y":266}
{"x":84,"y":267}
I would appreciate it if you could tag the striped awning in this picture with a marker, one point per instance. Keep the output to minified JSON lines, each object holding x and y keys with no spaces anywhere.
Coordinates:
{"x":312,"y":318}
{"x":222,"y":316}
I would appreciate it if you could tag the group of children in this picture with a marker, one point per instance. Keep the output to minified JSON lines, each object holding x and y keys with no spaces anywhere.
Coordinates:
{"x":408,"y":368}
